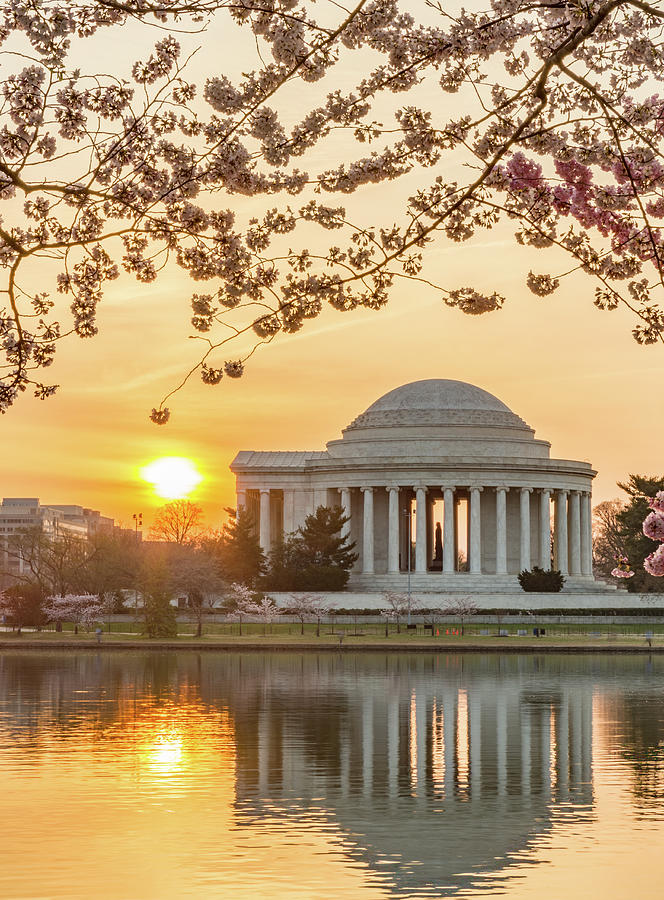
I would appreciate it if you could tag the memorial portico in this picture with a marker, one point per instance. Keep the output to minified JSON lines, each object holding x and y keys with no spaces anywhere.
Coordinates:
{"x":440,"y":478}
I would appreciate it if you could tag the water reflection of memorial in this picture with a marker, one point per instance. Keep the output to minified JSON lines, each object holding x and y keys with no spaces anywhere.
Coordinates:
{"x":433,"y":771}
{"x":433,"y":774}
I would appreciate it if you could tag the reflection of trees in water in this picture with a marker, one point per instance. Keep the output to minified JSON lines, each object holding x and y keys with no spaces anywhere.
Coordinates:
{"x":49,"y":694}
{"x":640,"y":718}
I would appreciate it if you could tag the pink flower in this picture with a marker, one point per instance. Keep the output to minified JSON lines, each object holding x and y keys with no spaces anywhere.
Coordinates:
{"x":654,"y":564}
{"x":621,"y":573}
{"x":657,"y":503}
{"x":653,"y":526}
{"x":622,"y":570}
{"x":523,"y":173}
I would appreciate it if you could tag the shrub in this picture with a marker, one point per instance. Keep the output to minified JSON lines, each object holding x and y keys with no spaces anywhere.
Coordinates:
{"x":538,"y":580}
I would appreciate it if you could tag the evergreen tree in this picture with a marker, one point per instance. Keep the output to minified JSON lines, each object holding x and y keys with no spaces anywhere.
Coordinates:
{"x":315,"y":557}
{"x":157,"y":613}
{"x":635,"y":545}
{"x":238,"y":549}
{"x":21,"y":604}
{"x":283,"y":564}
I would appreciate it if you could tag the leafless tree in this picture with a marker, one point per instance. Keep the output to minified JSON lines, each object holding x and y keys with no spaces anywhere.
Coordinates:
{"x":178,"y":522}
{"x":197,"y":574}
{"x":607,"y":540}
{"x":461,"y":608}
{"x":397,"y":607}
{"x":307,"y":608}
{"x":57,"y":564}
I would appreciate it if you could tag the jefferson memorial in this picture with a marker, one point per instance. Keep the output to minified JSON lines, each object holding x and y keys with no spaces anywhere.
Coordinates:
{"x":446,"y":489}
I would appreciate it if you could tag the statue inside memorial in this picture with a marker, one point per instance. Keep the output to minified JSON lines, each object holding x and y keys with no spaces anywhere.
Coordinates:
{"x":437,"y":564}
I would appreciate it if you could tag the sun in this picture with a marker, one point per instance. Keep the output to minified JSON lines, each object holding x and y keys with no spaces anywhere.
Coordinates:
{"x":172,"y":477}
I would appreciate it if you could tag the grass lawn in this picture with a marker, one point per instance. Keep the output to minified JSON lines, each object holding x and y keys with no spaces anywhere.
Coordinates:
{"x":372,"y":634}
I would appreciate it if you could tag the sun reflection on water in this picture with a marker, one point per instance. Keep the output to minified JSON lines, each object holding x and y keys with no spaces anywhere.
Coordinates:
{"x":165,"y":755}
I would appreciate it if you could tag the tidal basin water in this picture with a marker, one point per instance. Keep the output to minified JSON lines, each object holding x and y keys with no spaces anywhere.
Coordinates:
{"x":150,"y":775}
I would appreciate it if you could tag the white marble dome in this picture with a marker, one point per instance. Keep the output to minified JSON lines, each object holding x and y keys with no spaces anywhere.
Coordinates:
{"x":438,"y":418}
{"x":438,"y":401}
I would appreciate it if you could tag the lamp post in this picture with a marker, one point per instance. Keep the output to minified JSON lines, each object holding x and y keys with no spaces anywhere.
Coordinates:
{"x":409,"y":514}
{"x":138,"y":520}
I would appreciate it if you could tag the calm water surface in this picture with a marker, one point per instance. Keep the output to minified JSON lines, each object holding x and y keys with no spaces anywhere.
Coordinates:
{"x":144,"y":775}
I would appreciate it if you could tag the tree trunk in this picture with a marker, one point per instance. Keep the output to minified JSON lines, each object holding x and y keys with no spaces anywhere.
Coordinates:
{"x":302,"y":623}
{"x":199,"y":628}
{"x":387,"y":627}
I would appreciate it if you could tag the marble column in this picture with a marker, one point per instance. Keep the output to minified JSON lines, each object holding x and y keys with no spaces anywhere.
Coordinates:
{"x":420,"y":529}
{"x":345,"y":505}
{"x":545,"y":529}
{"x":524,"y":530}
{"x":393,"y":746}
{"x":562,"y":745}
{"x":421,"y":742}
{"x":368,"y":535}
{"x":475,"y":739}
{"x":501,"y":742}
{"x":450,"y":698}
{"x":367,"y":744}
{"x":449,"y":562}
{"x":545,"y":759}
{"x":501,"y":530}
{"x":264,"y":526}
{"x":241,"y":502}
{"x":475,"y":536}
{"x":393,"y":530}
{"x":289,"y":512}
{"x":574,"y":533}
{"x":560,"y":534}
{"x":586,"y":535}
{"x":526,"y":751}
{"x":405,"y":542}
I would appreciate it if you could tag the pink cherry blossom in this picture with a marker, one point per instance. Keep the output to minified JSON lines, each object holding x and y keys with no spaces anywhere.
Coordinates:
{"x":654,"y":564}
{"x":141,"y":170}
{"x":657,"y":503}
{"x":621,"y":573}
{"x":653,"y":526}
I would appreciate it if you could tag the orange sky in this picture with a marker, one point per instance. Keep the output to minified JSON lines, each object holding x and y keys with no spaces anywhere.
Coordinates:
{"x":573,"y":373}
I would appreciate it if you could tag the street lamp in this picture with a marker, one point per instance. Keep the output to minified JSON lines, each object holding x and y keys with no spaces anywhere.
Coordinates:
{"x":138,"y":520}
{"x":409,"y":517}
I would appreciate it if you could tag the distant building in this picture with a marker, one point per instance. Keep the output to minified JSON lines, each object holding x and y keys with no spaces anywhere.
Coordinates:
{"x":91,"y":519}
{"x":19,"y":514}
